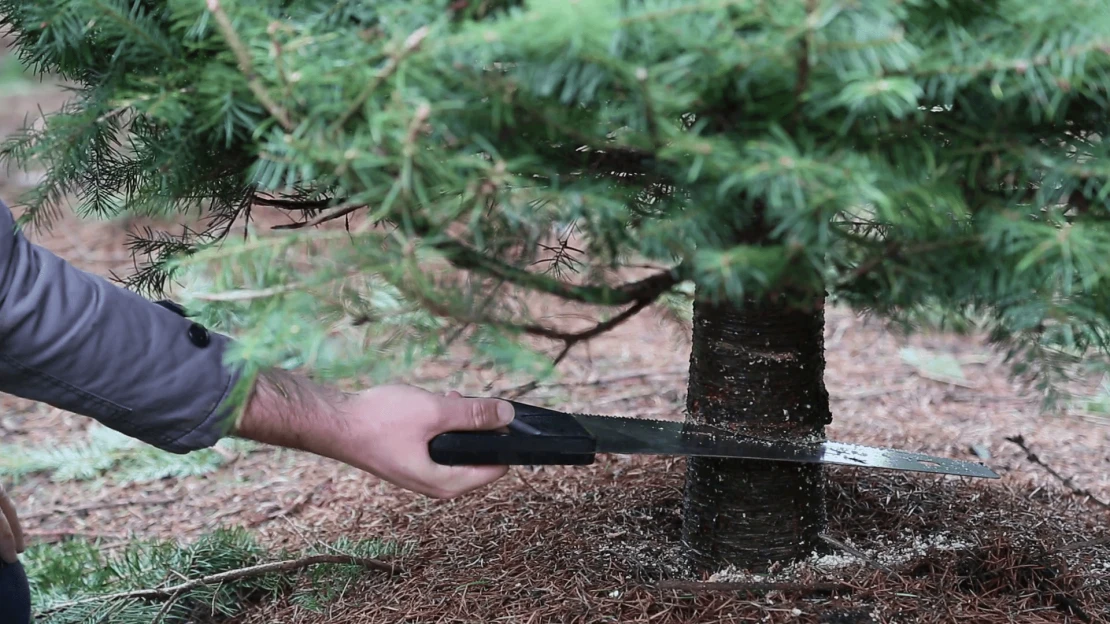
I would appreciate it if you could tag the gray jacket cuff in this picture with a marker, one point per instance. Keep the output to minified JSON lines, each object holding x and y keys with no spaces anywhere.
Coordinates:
{"x":76,"y":341}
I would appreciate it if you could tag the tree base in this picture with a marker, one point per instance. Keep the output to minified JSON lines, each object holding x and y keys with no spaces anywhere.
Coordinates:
{"x":757,"y":370}
{"x":751,"y":514}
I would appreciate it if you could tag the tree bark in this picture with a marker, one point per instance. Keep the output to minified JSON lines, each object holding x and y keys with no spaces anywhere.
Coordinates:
{"x":757,"y":369}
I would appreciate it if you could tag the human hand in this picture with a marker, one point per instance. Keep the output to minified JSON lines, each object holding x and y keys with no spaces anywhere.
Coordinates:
{"x":11,"y":534}
{"x":386,"y":431}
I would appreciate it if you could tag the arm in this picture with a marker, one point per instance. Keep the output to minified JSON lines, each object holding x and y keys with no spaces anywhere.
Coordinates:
{"x":74,"y":340}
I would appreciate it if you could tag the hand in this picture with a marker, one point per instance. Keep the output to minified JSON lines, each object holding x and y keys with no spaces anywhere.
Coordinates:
{"x":11,"y":534}
{"x":387,"y":429}
{"x":384,"y":430}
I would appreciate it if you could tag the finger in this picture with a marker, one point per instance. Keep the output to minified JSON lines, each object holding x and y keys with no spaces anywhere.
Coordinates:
{"x":465,"y":479}
{"x":7,"y":509}
{"x":454,"y":394}
{"x":7,"y":541}
{"x":476,"y":414}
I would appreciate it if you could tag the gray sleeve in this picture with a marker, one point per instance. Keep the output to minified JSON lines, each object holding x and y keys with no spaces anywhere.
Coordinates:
{"x":76,"y":341}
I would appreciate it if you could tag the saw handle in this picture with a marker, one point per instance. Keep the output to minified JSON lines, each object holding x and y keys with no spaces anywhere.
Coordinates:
{"x":536,"y":437}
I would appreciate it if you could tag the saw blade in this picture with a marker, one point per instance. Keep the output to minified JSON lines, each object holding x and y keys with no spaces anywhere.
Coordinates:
{"x":634,"y":436}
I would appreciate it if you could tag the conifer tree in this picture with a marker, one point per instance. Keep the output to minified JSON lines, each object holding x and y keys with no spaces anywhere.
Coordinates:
{"x":895,"y":156}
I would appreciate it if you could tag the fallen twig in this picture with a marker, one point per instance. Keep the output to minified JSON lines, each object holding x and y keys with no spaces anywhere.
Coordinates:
{"x":138,"y":502}
{"x":867,"y":393}
{"x":1066,"y":481}
{"x":230,"y":575}
{"x":808,"y":588}
{"x":50,"y":536}
{"x":945,"y":379}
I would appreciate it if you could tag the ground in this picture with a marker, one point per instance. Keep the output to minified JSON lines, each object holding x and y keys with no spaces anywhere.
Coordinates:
{"x":599,"y":543}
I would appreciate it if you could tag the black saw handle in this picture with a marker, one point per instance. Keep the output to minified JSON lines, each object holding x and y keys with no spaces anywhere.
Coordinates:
{"x":536,"y":437}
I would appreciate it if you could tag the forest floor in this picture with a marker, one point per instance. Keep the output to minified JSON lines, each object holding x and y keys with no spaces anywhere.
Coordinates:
{"x":601,"y":543}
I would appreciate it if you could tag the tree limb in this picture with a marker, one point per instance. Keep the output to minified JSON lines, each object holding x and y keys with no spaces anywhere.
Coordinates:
{"x":246,"y":66}
{"x":893,"y":250}
{"x":569,"y":339}
{"x":464,"y":257}
{"x":337,"y":212}
{"x":412,"y":42}
{"x":291,"y":204}
{"x":572,"y":338}
{"x":801,"y":82}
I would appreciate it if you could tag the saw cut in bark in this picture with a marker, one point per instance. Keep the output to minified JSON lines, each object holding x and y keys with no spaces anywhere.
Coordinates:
{"x":759,"y":370}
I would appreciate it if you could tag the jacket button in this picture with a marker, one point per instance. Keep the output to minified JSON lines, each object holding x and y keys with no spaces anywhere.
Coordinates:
{"x":199,"y":335}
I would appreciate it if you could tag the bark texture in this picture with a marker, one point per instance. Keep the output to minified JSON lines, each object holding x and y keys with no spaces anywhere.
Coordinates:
{"x":759,"y":370}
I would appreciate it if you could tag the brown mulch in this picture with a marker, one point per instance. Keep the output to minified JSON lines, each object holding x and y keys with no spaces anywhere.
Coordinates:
{"x":591,"y":545}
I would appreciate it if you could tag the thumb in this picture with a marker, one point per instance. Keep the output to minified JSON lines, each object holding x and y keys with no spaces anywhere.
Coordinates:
{"x":477,"y":414}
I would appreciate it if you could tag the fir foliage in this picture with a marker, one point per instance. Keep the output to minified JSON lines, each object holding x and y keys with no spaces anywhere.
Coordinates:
{"x":900,"y":155}
{"x":77,"y":573}
{"x":123,"y":459}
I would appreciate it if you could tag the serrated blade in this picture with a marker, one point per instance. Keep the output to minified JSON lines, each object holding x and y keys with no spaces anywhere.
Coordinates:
{"x":633,"y":436}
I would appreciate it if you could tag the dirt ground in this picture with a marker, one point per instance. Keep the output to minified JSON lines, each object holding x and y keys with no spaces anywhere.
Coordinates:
{"x":600,"y":543}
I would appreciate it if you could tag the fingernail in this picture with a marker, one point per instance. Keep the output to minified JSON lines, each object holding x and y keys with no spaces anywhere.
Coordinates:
{"x":505,"y":412}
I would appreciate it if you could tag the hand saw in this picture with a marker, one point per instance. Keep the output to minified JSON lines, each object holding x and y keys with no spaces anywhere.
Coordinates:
{"x":541,"y":436}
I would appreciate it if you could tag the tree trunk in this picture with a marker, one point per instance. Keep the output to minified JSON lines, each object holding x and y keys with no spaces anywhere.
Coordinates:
{"x":758,"y":370}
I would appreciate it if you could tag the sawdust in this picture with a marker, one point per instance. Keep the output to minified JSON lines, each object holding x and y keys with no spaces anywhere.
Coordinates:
{"x":886,"y":553}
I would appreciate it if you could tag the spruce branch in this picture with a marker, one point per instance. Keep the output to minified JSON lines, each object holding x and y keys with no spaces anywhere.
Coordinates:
{"x":650,"y":115}
{"x":337,"y":212}
{"x":916,"y":127}
{"x":570,"y":339}
{"x":244,"y":294}
{"x":275,"y":567}
{"x":465,"y":257}
{"x":412,"y":42}
{"x":306,"y":205}
{"x":802,"y":81}
{"x":1019,"y":65}
{"x":892,"y":249}
{"x":243,"y":55}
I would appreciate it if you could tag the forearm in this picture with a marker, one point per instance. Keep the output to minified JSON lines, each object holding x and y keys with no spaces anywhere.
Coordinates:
{"x":289,"y":410}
